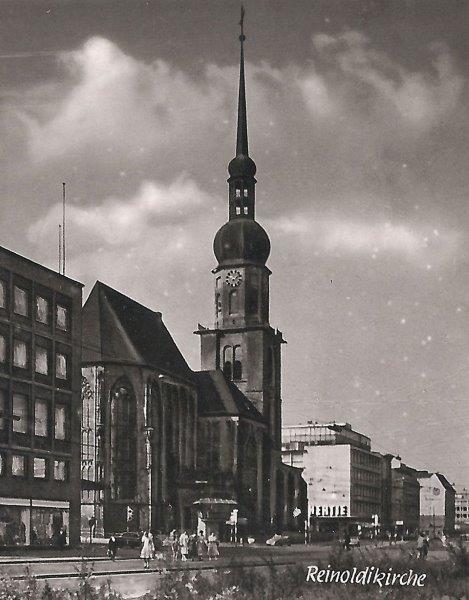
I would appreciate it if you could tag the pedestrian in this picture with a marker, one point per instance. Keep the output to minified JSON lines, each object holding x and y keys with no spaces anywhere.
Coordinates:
{"x":443,"y":539}
{"x":62,"y":538}
{"x":192,"y":555}
{"x":174,"y":542}
{"x":347,"y":541}
{"x":213,"y":552}
{"x":147,"y":551}
{"x":112,"y":547}
{"x":201,"y":545}
{"x":421,"y":543}
{"x":184,"y":545}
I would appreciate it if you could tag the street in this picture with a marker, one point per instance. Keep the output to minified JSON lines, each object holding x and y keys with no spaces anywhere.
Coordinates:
{"x":126,"y":573}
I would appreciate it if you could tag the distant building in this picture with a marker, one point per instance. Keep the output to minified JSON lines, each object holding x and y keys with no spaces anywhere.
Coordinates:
{"x":40,"y":354}
{"x":405,"y":499}
{"x":343,"y":476}
{"x":437,"y":503}
{"x":461,"y":508}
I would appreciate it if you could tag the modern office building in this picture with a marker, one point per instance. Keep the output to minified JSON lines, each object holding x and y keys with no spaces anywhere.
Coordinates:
{"x":342,"y":474}
{"x":40,"y":382}
{"x":461,"y":509}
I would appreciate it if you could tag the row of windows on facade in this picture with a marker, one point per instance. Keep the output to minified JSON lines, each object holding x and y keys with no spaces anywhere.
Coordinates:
{"x":20,"y":466}
{"x":42,"y":307}
{"x":363,"y":458}
{"x":42,"y":358}
{"x":17,"y":418}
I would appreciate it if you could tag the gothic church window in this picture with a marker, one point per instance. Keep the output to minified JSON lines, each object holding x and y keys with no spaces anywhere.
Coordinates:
{"x":123,"y":441}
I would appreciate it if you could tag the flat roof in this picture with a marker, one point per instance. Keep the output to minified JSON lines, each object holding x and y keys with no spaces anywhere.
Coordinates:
{"x":35,"y":264}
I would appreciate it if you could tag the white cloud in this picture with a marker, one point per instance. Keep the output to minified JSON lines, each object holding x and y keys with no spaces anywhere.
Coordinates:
{"x":125,"y":222}
{"x":420,"y":98}
{"x":416,"y":243}
{"x":112,"y":104}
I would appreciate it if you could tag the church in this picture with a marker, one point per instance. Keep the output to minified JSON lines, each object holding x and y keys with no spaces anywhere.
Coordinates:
{"x":167,"y":447}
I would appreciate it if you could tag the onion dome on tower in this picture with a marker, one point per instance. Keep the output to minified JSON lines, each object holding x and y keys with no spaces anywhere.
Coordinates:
{"x":241,"y":240}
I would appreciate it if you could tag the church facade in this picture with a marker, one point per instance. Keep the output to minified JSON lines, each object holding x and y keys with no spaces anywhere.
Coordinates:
{"x":165,"y":447}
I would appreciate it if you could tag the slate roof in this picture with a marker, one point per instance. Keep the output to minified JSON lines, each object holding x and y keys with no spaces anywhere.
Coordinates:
{"x":218,"y":397}
{"x":116,"y":329}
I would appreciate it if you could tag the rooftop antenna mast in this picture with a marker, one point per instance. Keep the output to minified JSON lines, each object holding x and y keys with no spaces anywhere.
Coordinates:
{"x":60,"y":248}
{"x":63,"y":228}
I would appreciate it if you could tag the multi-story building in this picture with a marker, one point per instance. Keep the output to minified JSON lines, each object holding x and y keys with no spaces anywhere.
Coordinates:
{"x":437,"y":499}
{"x":461,"y":509}
{"x":343,"y":475}
{"x":40,"y":355}
{"x":405,"y":499}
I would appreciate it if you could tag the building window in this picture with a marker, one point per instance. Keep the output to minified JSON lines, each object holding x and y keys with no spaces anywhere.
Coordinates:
{"x":233,"y":302}
{"x":246,"y":210}
{"x":61,"y":366}
{"x":238,"y":210}
{"x":237,"y":365}
{"x":20,"y":413}
{"x":3,"y":349}
{"x":41,"y":418}
{"x":62,"y":318}
{"x":60,"y":470}
{"x":42,"y":361}
{"x":20,"y":354}
{"x":3,"y":410}
{"x":42,"y":310}
{"x":217,"y":304}
{"x":39,"y":468}
{"x":18,"y":465}
{"x":238,"y":193}
{"x":2,"y":464}
{"x":60,"y":422}
{"x":21,"y":301}
{"x":124,"y":442}
{"x":3,"y":295}
{"x":227,"y":366}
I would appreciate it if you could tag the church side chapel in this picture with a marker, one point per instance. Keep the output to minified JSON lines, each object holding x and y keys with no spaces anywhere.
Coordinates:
{"x":165,"y":447}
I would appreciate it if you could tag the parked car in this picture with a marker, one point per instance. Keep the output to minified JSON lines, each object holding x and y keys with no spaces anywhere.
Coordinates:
{"x":131,"y":539}
{"x":278,"y":540}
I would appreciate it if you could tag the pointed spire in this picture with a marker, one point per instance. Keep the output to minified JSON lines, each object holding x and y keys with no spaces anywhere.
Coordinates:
{"x":242,"y":133}
{"x":242,"y":165}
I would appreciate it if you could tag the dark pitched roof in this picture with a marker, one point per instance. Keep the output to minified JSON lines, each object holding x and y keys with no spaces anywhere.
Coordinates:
{"x":220,"y":397}
{"x":116,"y":329}
{"x":426,"y":475}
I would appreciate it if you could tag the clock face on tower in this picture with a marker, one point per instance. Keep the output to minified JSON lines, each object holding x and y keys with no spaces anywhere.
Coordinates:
{"x":234,"y":278}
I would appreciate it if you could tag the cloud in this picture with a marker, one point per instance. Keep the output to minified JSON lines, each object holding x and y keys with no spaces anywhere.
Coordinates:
{"x":421,"y":98}
{"x":112,"y":104}
{"x":125,"y":222}
{"x":421,"y":245}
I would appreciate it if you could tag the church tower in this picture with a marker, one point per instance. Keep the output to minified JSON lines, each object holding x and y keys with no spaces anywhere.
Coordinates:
{"x":242,"y":343}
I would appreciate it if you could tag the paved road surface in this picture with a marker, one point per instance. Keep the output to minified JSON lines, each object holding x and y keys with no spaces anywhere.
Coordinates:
{"x":128,"y":577}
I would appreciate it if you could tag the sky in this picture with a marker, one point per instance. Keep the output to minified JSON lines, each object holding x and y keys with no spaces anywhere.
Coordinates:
{"x":358,"y":123}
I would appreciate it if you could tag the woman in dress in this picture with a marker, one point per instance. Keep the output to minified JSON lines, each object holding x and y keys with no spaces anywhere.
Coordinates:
{"x":212,"y":546}
{"x":174,"y":542}
{"x":147,"y":549}
{"x":184,"y":545}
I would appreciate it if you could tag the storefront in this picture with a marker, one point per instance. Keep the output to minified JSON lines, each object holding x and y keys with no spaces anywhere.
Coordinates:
{"x":28,"y":522}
